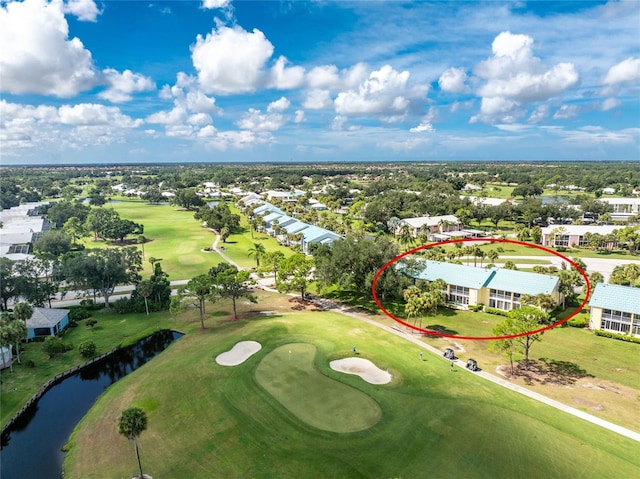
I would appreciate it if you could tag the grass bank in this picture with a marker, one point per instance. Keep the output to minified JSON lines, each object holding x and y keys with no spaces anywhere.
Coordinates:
{"x":111,"y":331}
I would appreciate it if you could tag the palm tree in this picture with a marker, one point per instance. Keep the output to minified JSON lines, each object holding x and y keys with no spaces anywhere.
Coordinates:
{"x":258,"y":251}
{"x":493,"y":255}
{"x":132,"y":423}
{"x":405,"y":237}
{"x":145,"y":289}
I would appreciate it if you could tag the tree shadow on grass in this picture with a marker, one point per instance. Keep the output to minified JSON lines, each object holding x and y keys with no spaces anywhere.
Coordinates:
{"x":439,"y":328}
{"x":552,"y":371}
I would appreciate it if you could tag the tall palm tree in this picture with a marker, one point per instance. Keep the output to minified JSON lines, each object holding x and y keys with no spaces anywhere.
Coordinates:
{"x":258,"y":251}
{"x":132,"y":423}
{"x":405,"y":237}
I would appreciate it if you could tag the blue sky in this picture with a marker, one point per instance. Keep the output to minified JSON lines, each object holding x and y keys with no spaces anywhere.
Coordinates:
{"x":226,"y":81}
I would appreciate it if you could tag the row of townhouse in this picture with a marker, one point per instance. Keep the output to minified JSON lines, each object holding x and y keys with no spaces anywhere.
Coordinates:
{"x":497,"y":288}
{"x":280,"y":225}
{"x":22,"y":226}
{"x":438,"y":228}
{"x":613,"y":308}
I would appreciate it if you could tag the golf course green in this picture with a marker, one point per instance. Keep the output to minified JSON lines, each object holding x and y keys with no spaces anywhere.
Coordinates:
{"x":288,"y":374}
{"x":256,"y":420}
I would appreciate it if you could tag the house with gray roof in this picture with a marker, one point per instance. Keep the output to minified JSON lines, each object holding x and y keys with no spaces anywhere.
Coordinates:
{"x":494,"y":287}
{"x":46,"y":322}
{"x":615,"y":308}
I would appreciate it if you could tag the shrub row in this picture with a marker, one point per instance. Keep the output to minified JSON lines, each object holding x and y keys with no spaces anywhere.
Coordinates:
{"x":496,"y":311}
{"x":621,"y":337}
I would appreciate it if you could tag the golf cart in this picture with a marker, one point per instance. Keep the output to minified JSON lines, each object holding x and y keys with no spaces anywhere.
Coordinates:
{"x":472,"y":364}
{"x":449,"y":354}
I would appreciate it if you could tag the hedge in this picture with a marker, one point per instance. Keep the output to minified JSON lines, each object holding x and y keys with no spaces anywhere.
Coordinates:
{"x":621,"y":337}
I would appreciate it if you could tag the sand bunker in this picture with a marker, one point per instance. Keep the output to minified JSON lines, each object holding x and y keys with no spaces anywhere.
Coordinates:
{"x":239,"y":353}
{"x":363,"y":368}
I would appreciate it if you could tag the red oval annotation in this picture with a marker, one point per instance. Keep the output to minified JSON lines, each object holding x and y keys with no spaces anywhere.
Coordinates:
{"x":482,"y":240}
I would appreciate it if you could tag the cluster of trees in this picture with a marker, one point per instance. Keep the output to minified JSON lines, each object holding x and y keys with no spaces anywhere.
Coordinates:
{"x":35,"y":281}
{"x":219,"y":218}
{"x":77,"y":220}
{"x":424,"y":299}
{"x":153,"y":294}
{"x":353,"y":262}
{"x":222,"y":281}
{"x":628,"y":275}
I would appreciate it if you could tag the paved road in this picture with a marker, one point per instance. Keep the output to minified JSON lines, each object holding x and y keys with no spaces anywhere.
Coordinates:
{"x":603,"y":266}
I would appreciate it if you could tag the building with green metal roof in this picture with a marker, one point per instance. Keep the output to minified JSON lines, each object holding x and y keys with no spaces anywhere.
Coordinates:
{"x":494,"y":287}
{"x":615,"y":308}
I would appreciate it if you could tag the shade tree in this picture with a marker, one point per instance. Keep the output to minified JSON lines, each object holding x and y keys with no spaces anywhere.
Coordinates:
{"x":103,"y":270}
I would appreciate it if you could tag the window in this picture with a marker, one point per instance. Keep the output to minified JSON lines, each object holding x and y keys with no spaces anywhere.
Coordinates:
{"x":458,"y":294}
{"x":42,"y":331}
{"x":504,"y":300}
{"x":618,"y":321}
{"x":561,"y":240}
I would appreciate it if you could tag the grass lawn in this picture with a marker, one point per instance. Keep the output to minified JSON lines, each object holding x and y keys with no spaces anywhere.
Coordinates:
{"x":511,"y":249}
{"x":176,"y":238}
{"x":207,"y":421}
{"x":112,"y":330}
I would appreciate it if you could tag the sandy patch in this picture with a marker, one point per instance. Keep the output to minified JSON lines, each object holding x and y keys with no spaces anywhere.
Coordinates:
{"x":363,"y":368}
{"x":239,"y":353}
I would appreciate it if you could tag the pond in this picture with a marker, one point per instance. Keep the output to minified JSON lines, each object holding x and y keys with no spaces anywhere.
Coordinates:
{"x":31,"y":448}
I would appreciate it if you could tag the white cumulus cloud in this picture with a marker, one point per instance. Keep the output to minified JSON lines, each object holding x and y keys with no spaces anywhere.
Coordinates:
{"x":37,"y":55}
{"x":122,"y":85}
{"x":85,"y":10}
{"x":282,"y":77}
{"x":515,"y":77}
{"x":382,"y":93}
{"x":318,"y":100}
{"x":627,"y":71}
{"x":213,"y":4}
{"x":453,"y":80}
{"x":231,"y":60}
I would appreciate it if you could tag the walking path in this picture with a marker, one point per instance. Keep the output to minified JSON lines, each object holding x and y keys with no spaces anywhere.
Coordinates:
{"x":214,"y":247}
{"x":490,"y":377}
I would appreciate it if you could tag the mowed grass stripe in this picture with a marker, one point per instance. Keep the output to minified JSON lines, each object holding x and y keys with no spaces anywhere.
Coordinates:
{"x":208,"y":421}
{"x":287,"y":373}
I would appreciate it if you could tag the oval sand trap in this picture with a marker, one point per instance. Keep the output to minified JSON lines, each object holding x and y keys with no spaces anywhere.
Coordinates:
{"x":363,"y":368}
{"x":239,"y":353}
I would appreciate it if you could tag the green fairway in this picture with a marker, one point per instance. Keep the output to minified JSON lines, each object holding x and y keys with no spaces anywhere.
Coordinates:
{"x":208,"y":421}
{"x":288,"y":374}
{"x":176,"y":239}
